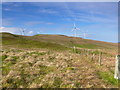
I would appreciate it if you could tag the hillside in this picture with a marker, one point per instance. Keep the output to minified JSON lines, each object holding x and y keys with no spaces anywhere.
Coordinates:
{"x":54,"y":41}
{"x":49,"y":61}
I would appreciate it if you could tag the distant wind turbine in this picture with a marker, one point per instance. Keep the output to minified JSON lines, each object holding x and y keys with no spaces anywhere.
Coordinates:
{"x":22,"y":30}
{"x":75,"y":34}
{"x":75,"y":30}
{"x":84,"y":35}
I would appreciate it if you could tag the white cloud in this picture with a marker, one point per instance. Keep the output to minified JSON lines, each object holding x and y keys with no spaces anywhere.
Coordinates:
{"x":32,"y":23}
{"x":2,"y":28}
{"x":6,"y":9}
{"x":13,"y":30}
{"x":30,"y":32}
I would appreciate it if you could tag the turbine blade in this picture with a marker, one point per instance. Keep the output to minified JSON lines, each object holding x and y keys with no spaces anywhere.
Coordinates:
{"x":74,"y":25}
{"x":77,"y":28}
{"x":73,"y":29}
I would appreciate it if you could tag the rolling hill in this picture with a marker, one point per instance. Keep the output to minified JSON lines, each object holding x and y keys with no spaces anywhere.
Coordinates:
{"x":49,"y":61}
{"x":53,"y":42}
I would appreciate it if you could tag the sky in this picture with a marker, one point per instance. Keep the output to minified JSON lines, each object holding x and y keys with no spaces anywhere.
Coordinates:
{"x":98,"y":19}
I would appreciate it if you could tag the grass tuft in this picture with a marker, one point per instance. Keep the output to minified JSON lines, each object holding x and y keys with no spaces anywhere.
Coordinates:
{"x":4,"y":57}
{"x":108,"y":77}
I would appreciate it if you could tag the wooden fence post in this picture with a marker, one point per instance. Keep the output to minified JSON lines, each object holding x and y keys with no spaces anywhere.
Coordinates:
{"x":117,"y":67}
{"x":100,"y":58}
{"x":92,"y":58}
{"x":85,"y":52}
{"x":74,"y":49}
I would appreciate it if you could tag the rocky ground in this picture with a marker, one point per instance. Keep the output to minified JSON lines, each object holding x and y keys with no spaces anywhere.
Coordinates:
{"x":45,"y":69}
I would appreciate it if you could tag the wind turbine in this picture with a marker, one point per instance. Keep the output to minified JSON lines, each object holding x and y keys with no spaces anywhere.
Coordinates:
{"x":75,"y":34}
{"x":75,"y":30}
{"x":22,"y":31}
{"x":84,"y":35}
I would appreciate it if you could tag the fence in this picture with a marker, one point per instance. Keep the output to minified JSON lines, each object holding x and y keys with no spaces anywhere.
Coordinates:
{"x":117,"y":67}
{"x":100,"y":55}
{"x":90,"y":53}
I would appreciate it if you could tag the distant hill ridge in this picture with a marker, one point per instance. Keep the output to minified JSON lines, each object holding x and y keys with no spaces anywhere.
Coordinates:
{"x":50,"y":41}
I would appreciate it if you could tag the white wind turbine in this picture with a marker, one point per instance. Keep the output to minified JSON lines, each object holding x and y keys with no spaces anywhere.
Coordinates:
{"x":22,"y":30}
{"x":75,"y":30}
{"x":85,"y":34}
{"x":75,"y":34}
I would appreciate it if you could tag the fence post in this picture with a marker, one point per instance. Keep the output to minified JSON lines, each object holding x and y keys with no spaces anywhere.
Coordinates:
{"x":92,"y":58}
{"x":100,"y":58}
{"x":117,"y":67}
{"x":85,"y":52}
{"x":74,"y":49}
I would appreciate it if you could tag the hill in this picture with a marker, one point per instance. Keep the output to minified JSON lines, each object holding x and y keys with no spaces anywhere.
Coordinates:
{"x":49,"y":61}
{"x":54,"y":42}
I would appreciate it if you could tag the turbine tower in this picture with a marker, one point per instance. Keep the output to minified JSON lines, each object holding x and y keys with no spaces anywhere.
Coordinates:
{"x":85,"y":34}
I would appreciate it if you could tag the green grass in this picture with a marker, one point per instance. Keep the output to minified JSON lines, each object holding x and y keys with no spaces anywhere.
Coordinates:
{"x":4,"y":57}
{"x":108,"y":77}
{"x":24,"y":43}
{"x":53,"y":42}
{"x":37,"y":53}
{"x":14,"y":82}
{"x":45,"y":69}
{"x":8,"y":64}
{"x":77,"y":84}
{"x":70,"y":68}
{"x":57,"y":82}
{"x":88,"y":46}
{"x":6,"y":68}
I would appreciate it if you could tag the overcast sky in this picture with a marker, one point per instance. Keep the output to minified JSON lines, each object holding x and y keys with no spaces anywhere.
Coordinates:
{"x":98,"y":19}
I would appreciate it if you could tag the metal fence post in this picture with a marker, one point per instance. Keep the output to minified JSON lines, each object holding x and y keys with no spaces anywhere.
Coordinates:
{"x":117,"y":67}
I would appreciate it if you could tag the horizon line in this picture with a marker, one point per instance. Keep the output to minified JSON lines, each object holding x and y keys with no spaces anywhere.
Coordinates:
{"x":63,"y":35}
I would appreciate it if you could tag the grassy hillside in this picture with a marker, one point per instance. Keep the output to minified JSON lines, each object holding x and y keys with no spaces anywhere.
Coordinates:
{"x":18,"y":41}
{"x":49,"y":61}
{"x":54,"y":42}
{"x":50,"y":69}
